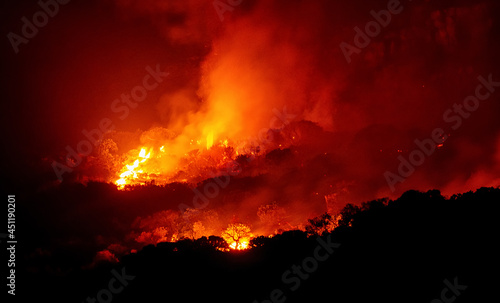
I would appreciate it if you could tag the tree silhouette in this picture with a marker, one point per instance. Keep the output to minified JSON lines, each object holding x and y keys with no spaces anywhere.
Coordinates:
{"x":322,"y":224}
{"x":236,"y":233}
{"x":218,"y":242}
{"x":348,"y":214}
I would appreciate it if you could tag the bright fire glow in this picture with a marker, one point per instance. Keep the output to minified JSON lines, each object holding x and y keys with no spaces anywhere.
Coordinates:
{"x":129,"y":172}
{"x":239,"y":246}
{"x":210,"y":140}
{"x":162,"y":164}
{"x":237,"y":236}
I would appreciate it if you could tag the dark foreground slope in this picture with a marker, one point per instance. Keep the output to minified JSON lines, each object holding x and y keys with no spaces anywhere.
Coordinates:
{"x":417,"y":248}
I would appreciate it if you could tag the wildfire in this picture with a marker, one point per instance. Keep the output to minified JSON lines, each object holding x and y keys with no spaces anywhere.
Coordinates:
{"x":239,"y":246}
{"x":129,"y":172}
{"x":237,"y":236}
{"x":174,"y":162}
{"x":210,"y":140}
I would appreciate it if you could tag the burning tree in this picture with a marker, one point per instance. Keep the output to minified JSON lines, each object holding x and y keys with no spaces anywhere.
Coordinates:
{"x":237,"y":235}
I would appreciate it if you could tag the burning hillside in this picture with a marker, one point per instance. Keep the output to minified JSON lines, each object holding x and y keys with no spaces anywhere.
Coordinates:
{"x":264,"y":109}
{"x":234,"y":123}
{"x":202,"y":159}
{"x":269,"y":80}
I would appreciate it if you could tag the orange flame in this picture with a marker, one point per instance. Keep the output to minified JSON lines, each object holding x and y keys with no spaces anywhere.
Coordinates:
{"x":129,"y":172}
{"x":239,"y":246}
{"x":237,"y":236}
{"x":210,"y":140}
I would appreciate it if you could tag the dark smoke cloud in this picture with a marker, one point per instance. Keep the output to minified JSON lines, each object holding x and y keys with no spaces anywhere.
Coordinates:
{"x":268,"y":54}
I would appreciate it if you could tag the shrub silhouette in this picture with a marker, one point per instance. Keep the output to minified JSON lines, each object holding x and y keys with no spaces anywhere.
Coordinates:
{"x":391,"y":251}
